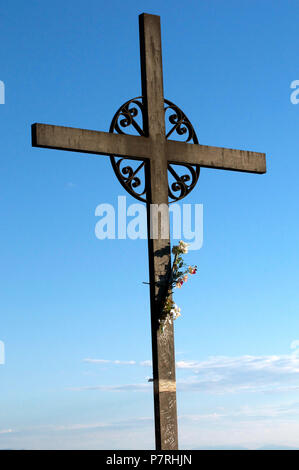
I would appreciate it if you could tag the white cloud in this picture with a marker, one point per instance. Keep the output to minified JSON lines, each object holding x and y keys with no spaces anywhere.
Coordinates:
{"x":224,"y":374}
{"x":115,"y":388}
{"x":186,"y":364}
{"x":210,"y":426}
{"x":102,"y":425}
{"x":108,"y":361}
{"x":289,"y":363}
{"x":146,"y":363}
{"x":267,"y":426}
{"x":6,"y":431}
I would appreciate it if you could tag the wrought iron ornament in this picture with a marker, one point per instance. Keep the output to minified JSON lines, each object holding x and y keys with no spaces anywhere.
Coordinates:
{"x":129,"y":119}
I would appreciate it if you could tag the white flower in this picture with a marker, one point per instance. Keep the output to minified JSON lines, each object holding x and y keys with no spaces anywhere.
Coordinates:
{"x":175,"y":311}
{"x":183,"y":247}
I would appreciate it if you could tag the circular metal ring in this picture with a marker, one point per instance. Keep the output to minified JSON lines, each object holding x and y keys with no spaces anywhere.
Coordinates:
{"x":129,"y":119}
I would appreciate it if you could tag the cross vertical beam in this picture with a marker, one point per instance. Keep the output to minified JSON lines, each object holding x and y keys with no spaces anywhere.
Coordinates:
{"x":163,"y":357}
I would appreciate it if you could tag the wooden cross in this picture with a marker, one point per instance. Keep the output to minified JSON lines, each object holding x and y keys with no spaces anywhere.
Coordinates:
{"x":158,"y":153}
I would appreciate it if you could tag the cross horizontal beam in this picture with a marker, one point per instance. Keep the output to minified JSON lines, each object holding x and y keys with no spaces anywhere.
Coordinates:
{"x":130,"y":146}
{"x":216,"y":157}
{"x":86,"y":141}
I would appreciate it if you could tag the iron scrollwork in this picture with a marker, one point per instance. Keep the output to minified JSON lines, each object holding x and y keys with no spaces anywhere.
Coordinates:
{"x":129,"y":119}
{"x":177,"y":123}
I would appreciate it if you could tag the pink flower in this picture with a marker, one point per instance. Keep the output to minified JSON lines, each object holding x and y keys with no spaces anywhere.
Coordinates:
{"x":192,"y":269}
{"x":185,"y":278}
{"x":179,"y":283}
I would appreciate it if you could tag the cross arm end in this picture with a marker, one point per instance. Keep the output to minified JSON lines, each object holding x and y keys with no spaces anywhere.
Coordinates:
{"x":89,"y":141}
{"x":216,"y":157}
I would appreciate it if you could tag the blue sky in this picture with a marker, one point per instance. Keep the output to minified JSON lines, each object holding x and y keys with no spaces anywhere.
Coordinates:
{"x":74,"y":312}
